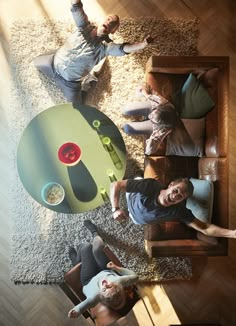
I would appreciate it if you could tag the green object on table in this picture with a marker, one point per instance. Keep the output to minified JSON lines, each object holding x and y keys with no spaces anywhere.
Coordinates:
{"x":96,"y":123}
{"x":106,"y":140}
{"x":38,"y":163}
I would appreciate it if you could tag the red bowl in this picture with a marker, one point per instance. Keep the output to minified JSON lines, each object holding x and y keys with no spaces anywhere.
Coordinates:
{"x":69,"y":154}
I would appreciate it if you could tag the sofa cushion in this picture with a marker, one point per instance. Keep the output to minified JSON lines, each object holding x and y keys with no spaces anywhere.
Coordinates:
{"x":187,"y":139}
{"x":195,"y":100}
{"x":201,"y":202}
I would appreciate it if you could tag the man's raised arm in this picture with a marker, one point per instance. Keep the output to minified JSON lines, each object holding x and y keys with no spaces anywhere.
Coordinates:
{"x":212,"y":230}
{"x":75,"y":2}
{"x":130,"y":48}
{"x":80,"y":18}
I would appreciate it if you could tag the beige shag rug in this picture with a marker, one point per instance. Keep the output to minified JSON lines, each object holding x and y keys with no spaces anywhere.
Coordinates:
{"x":40,"y":236}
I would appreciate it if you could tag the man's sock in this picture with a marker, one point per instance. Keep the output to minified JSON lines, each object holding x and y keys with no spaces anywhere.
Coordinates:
{"x":72,"y":255}
{"x":91,"y":227}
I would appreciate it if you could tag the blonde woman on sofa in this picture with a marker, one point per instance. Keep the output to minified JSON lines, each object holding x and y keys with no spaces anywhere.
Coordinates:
{"x":151,"y":202}
{"x":160,"y":118}
{"x":102,"y":280}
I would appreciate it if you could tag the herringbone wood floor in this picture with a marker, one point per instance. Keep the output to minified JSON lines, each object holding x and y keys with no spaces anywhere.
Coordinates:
{"x":210,"y":296}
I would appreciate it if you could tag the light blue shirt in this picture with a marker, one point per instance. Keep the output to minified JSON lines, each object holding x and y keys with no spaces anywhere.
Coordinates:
{"x":83,"y":49}
{"x":92,"y":289}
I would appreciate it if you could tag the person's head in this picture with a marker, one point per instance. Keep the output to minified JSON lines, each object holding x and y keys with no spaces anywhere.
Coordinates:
{"x":177,"y":191}
{"x":112,"y":295}
{"x":164,"y":116}
{"x":108,"y":26}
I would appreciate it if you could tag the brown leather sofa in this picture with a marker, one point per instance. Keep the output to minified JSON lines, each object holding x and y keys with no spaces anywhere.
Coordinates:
{"x":166,"y":74}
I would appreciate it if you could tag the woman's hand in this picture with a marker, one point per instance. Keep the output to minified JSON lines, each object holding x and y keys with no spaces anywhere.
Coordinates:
{"x":75,"y":2}
{"x":73,"y":314}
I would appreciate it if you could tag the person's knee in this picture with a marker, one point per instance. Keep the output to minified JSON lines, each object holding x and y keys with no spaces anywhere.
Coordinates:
{"x":85,"y":247}
{"x":44,"y":63}
{"x":98,"y":244}
{"x":37,"y":62}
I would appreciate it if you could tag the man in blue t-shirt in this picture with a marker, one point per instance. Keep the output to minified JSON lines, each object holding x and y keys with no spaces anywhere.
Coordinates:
{"x":151,"y":202}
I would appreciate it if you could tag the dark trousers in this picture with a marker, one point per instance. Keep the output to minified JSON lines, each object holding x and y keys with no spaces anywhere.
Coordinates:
{"x":93,"y":259}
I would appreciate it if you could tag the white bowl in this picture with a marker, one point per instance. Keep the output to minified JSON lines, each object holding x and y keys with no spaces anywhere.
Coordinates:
{"x":52,"y":193}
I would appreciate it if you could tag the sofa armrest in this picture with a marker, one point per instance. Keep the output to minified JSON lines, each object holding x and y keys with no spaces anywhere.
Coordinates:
{"x":191,"y":247}
{"x":167,"y":168}
{"x":183,"y":64}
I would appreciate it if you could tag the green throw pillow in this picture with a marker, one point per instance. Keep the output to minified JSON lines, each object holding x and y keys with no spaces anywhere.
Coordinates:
{"x":195,"y":100}
{"x":201,"y":202}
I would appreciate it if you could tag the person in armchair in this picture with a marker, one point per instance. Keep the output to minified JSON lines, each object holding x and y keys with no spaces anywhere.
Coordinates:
{"x":84,"y":49}
{"x":151,"y":202}
{"x":102,"y":280}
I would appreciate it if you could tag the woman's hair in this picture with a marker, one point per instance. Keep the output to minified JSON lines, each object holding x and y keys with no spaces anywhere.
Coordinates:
{"x":164,"y":116}
{"x":116,"y":300}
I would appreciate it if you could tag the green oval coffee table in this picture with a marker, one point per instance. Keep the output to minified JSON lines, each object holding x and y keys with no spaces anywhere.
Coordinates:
{"x":103,"y":156}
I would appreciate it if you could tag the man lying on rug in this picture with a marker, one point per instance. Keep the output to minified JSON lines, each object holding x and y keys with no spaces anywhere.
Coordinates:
{"x":150,"y":202}
{"x":82,"y":51}
{"x":102,"y":280}
{"x":159,"y":114}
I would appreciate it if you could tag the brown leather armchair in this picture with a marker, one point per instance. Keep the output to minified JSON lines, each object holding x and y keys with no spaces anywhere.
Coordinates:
{"x":166,"y":75}
{"x":100,"y":314}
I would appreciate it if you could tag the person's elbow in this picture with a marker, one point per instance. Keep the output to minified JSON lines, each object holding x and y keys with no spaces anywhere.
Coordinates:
{"x":205,"y":230}
{"x":200,"y":226}
{"x":118,"y":186}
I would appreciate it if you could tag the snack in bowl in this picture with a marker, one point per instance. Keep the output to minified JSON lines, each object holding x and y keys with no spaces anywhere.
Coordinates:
{"x":69,"y":154}
{"x":52,"y":193}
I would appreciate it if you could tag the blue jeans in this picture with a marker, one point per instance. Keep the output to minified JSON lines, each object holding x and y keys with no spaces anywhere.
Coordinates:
{"x":70,"y":89}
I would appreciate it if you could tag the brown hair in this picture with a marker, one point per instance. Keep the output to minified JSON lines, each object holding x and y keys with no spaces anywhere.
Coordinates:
{"x":115,"y":21}
{"x":188,"y":185}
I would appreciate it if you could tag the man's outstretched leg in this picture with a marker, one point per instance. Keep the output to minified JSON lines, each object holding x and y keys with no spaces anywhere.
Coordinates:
{"x":44,"y":63}
{"x":70,"y":89}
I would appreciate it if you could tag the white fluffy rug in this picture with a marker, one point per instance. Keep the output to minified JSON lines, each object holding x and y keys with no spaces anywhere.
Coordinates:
{"x":40,"y":236}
